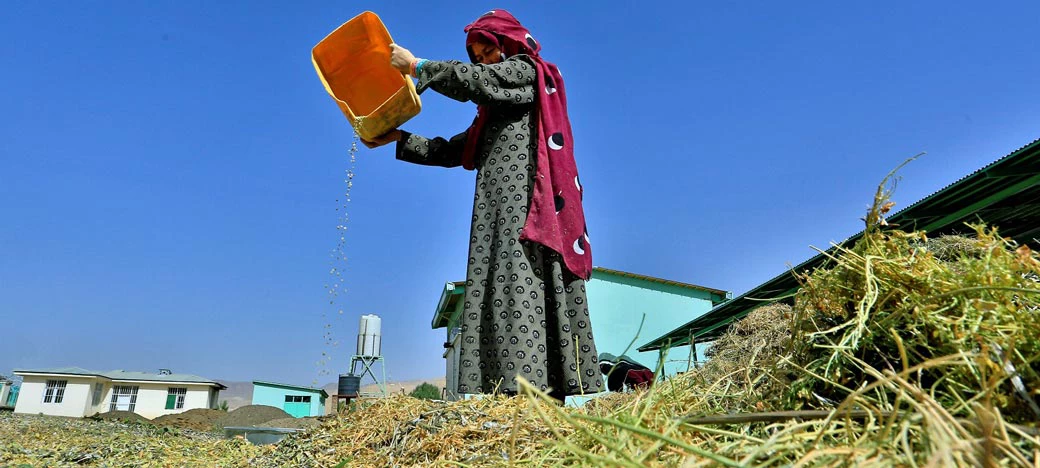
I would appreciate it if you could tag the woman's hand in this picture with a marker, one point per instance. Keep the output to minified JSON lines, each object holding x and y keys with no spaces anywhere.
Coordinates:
{"x":401,"y":58}
{"x":388,"y":137}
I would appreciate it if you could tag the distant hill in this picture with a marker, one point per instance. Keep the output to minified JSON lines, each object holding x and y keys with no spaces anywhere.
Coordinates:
{"x":241,"y":393}
{"x":237,"y":393}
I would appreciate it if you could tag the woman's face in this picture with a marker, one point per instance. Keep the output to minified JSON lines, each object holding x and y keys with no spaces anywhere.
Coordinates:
{"x":486,"y":53}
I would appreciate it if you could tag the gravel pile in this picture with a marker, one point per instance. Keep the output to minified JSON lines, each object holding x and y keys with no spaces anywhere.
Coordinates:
{"x":129,"y":417}
{"x":251,"y":415}
{"x":199,"y":419}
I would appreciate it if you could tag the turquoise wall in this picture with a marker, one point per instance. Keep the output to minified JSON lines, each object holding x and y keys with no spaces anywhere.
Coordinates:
{"x":272,"y":395}
{"x":617,"y":304}
{"x":12,"y":397}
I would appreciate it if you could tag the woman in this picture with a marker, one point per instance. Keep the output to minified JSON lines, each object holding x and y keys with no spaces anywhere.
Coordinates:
{"x":525,"y":312}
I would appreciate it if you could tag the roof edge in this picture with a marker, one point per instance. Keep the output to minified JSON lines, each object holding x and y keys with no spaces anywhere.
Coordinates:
{"x":450,"y":289}
{"x":23,"y":372}
{"x":654,"y":279}
{"x":279,"y":384}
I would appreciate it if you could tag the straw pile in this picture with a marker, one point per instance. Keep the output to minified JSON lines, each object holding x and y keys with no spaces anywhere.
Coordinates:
{"x":406,"y":431}
{"x":33,"y":440}
{"x":903,"y":351}
{"x":752,"y":347}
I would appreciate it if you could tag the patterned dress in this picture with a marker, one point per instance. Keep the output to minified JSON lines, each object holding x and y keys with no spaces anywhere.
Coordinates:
{"x":524,"y":314}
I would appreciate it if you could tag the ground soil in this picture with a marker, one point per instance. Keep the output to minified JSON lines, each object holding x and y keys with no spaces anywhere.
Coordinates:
{"x":251,"y":415}
{"x":199,"y":419}
{"x":122,"y":416}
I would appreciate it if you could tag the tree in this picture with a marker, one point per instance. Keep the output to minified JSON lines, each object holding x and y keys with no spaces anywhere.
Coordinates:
{"x":426,"y":391}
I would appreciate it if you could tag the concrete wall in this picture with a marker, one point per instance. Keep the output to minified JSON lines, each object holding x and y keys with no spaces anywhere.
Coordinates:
{"x":106,"y":395}
{"x":617,"y":305}
{"x":73,"y":404}
{"x":151,"y":398}
{"x":271,"y":395}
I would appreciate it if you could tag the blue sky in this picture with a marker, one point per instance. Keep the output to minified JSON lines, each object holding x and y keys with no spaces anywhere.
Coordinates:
{"x":170,"y":171}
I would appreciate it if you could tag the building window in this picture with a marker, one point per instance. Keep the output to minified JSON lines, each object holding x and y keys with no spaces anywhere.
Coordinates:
{"x":55,"y":391}
{"x":99,"y":389}
{"x":175,"y":398}
{"x":297,"y":399}
{"x":124,"y":398}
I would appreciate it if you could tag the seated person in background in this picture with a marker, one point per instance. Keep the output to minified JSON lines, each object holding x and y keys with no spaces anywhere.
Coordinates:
{"x":624,"y":372}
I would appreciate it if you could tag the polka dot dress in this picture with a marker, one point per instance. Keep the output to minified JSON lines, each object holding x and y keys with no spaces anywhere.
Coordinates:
{"x":524,"y":313}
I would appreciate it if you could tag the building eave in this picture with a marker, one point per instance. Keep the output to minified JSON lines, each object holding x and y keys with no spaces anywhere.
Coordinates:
{"x":449,"y":294}
{"x":718,"y":292}
{"x":324,"y":394}
{"x":170,"y":382}
{"x":25,"y":373}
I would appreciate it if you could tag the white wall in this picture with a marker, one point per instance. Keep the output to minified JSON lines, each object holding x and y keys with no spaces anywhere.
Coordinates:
{"x":106,"y":397}
{"x":151,"y":398}
{"x":79,"y":393}
{"x":74,"y":403}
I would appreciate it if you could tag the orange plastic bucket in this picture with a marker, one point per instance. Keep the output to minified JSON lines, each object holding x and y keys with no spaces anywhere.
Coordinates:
{"x":353,"y":63}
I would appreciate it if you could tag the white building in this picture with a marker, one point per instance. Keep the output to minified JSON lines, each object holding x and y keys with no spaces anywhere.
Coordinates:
{"x":76,"y":392}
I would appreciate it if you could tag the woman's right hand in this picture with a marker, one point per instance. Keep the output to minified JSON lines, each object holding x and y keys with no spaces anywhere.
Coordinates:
{"x":401,"y":58}
{"x":388,"y":137}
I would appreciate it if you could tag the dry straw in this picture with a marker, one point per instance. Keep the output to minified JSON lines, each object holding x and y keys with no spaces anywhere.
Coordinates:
{"x":903,"y":351}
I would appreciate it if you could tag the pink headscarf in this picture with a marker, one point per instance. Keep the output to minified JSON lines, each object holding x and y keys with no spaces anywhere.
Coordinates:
{"x":555,"y":218}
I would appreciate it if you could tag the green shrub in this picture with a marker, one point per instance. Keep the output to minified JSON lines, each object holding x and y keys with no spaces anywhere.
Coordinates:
{"x":426,"y":391}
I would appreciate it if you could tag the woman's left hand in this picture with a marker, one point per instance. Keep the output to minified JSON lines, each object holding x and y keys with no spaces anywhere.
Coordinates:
{"x":401,"y":58}
{"x":388,"y":137}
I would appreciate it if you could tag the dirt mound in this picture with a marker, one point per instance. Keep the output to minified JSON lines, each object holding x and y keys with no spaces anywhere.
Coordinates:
{"x":199,"y":419}
{"x":128,"y":417}
{"x":251,"y":415}
{"x":293,"y":423}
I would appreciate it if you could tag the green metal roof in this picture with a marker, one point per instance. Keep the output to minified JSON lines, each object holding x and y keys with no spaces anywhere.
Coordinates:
{"x":122,"y":375}
{"x":293,"y":387}
{"x":450,"y":295}
{"x":1005,"y":194}
{"x":59,"y":370}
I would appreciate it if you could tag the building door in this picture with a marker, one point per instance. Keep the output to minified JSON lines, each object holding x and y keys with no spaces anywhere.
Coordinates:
{"x":297,"y":406}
